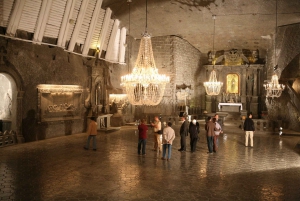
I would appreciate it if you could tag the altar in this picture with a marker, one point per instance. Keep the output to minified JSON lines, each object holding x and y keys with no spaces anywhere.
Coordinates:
{"x":230,"y":107}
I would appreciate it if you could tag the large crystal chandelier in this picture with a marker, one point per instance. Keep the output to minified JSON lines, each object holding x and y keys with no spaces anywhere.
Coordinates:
{"x":273,"y":88}
{"x":213,"y":87}
{"x":144,"y":86}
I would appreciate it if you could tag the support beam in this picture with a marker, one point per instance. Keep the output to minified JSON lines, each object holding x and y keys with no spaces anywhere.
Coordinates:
{"x":104,"y":30}
{"x":15,"y":18}
{"x":78,"y":25}
{"x":92,"y":27}
{"x":63,"y":32}
{"x":42,"y":20}
{"x":122,"y":48}
{"x":114,"y":43}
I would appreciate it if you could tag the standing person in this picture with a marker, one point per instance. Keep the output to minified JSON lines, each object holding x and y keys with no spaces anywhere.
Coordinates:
{"x":184,"y":131}
{"x":249,"y":129}
{"x":210,"y":127}
{"x":92,"y":133}
{"x":168,"y":137}
{"x":216,"y":136}
{"x":218,"y":120}
{"x":157,"y":134}
{"x":194,"y":131}
{"x":143,"y":128}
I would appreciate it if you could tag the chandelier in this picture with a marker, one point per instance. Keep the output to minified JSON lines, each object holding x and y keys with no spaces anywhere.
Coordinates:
{"x":273,"y":88}
{"x":144,"y":86}
{"x":213,"y":87}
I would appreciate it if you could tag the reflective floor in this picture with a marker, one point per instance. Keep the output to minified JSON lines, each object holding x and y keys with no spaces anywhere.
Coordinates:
{"x":60,"y":169}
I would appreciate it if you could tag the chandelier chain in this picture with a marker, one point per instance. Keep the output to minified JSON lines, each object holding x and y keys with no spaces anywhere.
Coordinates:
{"x":273,"y":88}
{"x":213,"y":87}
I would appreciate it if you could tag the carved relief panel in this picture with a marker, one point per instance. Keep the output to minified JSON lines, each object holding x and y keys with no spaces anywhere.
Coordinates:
{"x":59,"y":102}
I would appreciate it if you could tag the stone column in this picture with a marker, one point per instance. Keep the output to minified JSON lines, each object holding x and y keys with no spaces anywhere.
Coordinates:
{"x":20,"y":137}
{"x":254,"y":103}
{"x":255,"y":82}
{"x":244,"y":80}
{"x":218,"y":100}
{"x":208,"y":103}
{"x":243,"y":94}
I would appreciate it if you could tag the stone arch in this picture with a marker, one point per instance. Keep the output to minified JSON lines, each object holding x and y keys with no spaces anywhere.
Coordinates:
{"x":9,"y":71}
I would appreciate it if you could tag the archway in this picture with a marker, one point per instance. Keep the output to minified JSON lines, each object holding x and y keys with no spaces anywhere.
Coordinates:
{"x":8,"y":103}
{"x":12,"y":89}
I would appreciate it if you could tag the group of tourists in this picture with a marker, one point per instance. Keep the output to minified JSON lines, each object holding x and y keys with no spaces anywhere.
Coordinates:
{"x":166,"y":136}
{"x":213,"y":130}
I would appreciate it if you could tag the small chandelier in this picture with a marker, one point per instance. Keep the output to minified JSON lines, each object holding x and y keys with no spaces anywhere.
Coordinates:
{"x":273,"y":88}
{"x":213,"y":87}
{"x":144,"y":86}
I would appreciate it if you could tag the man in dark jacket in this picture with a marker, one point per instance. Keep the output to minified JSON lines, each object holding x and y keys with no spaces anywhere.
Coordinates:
{"x":210,"y":128}
{"x":184,"y":131}
{"x":249,"y":129}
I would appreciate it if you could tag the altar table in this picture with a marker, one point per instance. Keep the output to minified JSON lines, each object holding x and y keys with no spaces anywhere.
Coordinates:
{"x":239,"y":105}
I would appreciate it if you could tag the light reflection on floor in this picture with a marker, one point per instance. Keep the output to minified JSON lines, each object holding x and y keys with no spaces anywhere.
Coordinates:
{"x":60,"y":169}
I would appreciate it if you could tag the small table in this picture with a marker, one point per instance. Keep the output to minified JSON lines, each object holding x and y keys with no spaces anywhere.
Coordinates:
{"x":239,"y":105}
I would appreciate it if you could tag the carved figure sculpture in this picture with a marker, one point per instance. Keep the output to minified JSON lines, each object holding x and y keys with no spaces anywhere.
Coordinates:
{"x":114,"y":107}
{"x":249,"y":85}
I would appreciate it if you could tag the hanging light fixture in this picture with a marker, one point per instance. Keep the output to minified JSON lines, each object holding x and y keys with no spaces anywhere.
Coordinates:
{"x":213,"y":87}
{"x":273,"y":88}
{"x":144,"y":86}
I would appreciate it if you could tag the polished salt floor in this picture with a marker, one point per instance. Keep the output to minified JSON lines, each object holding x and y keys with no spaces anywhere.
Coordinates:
{"x":60,"y":169}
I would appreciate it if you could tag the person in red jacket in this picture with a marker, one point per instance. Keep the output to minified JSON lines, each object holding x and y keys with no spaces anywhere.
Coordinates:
{"x":143,"y":128}
{"x":92,"y":133}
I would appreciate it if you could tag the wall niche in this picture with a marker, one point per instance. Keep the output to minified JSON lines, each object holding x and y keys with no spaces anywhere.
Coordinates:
{"x":59,"y":102}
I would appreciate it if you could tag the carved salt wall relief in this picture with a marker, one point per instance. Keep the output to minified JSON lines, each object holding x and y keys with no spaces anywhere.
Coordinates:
{"x":59,"y":102}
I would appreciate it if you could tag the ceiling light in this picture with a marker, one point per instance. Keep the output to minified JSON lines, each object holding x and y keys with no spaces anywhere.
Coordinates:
{"x":144,"y":86}
{"x":213,"y":87}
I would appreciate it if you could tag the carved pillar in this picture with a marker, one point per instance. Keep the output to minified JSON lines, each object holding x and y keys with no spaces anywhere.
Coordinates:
{"x":20,"y":137}
{"x":255,"y":82}
{"x":243,"y":81}
{"x":254,"y":107}
{"x":254,"y":103}
{"x":218,"y":100}
{"x":208,"y":103}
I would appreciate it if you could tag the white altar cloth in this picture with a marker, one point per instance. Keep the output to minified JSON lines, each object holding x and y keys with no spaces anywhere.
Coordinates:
{"x":230,"y":104}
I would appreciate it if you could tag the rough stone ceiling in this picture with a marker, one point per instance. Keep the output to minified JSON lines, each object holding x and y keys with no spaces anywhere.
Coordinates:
{"x":239,"y":24}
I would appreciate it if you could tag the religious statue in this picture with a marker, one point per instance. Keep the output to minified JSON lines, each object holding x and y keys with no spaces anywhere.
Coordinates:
{"x":125,"y":106}
{"x":249,"y":85}
{"x":232,"y":83}
{"x":255,"y":55}
{"x":210,"y":59}
{"x":114,"y":107}
{"x":98,"y":93}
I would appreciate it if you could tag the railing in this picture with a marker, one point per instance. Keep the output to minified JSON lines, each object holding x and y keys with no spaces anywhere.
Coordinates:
{"x":264,"y":124}
{"x":8,"y":138}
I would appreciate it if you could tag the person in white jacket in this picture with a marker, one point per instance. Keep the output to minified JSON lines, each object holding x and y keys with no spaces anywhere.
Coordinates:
{"x":168,"y":137}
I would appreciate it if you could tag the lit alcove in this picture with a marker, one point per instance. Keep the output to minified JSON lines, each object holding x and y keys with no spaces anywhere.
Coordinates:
{"x":232,"y":81}
{"x":8,"y":101}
